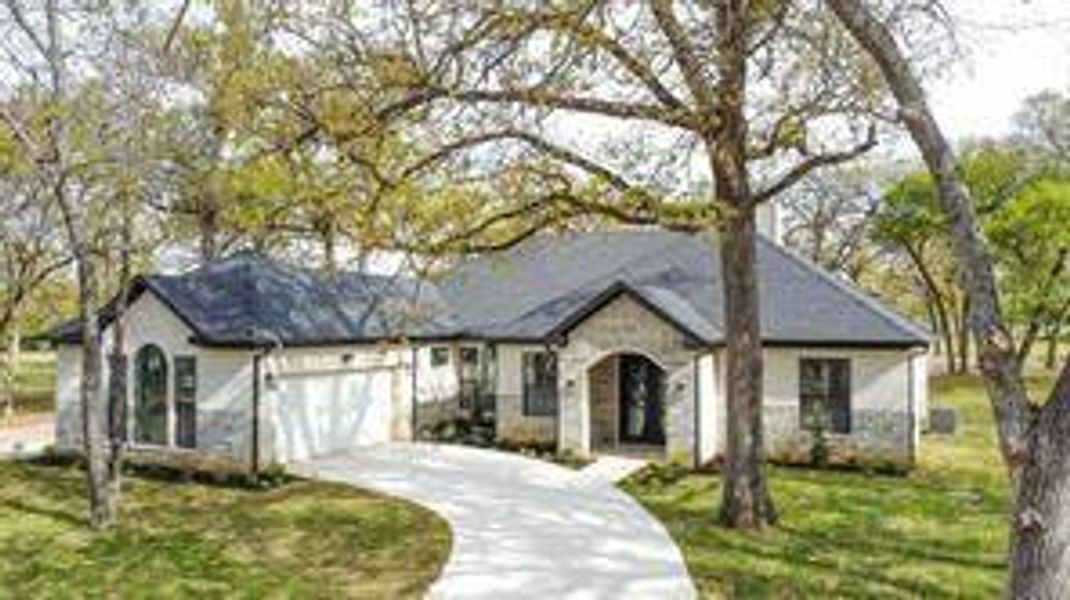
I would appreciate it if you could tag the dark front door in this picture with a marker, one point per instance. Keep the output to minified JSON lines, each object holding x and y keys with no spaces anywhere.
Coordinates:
{"x":642,"y":389}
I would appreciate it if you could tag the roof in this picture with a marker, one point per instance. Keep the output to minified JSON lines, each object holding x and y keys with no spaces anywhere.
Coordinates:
{"x":527,"y":293}
{"x":250,"y":300}
{"x":536,"y":292}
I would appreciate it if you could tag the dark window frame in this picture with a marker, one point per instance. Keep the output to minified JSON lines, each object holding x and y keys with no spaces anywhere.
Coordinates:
{"x":539,"y":384}
{"x":185,"y":401}
{"x":826,"y":383}
{"x":440,"y":356}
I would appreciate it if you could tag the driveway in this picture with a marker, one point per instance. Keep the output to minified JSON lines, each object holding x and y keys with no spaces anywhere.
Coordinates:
{"x":522,"y":528}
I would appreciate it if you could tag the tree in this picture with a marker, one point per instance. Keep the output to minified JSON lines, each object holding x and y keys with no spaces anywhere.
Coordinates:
{"x":909,"y":221}
{"x":1034,"y":438}
{"x":1021,"y":203}
{"x":79,"y":136}
{"x":29,"y":257}
{"x":829,"y":216}
{"x":747,"y":88}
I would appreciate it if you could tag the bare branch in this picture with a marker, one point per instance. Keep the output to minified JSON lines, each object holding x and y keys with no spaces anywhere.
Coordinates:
{"x":801,"y":170}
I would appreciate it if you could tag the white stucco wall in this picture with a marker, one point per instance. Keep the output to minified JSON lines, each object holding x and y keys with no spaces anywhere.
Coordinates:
{"x":224,"y":382}
{"x":439,"y":383}
{"x":318,"y":401}
{"x":881,"y":396}
{"x":711,"y":406}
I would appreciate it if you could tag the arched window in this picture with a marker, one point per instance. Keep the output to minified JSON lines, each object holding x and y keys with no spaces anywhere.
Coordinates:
{"x":150,"y":396}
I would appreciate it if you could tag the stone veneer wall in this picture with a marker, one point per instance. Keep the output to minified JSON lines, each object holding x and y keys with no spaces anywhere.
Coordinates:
{"x":625,"y":326}
{"x":603,"y":380}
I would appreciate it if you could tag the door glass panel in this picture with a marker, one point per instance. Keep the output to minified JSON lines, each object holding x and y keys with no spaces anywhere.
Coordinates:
{"x":150,"y":408}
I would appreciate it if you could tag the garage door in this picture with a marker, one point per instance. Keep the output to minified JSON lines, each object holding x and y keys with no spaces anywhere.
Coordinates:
{"x":319,"y":413}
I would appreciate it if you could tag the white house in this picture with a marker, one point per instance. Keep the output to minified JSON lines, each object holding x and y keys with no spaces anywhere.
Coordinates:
{"x":593,"y":342}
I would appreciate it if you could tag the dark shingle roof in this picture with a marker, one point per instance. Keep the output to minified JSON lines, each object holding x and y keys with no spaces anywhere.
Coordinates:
{"x":249,"y":300}
{"x":532,"y":293}
{"x":527,"y":292}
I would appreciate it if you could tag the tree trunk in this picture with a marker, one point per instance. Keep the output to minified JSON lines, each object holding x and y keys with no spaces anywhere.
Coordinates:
{"x":746,"y":500}
{"x":208,"y":226}
{"x":936,"y":304}
{"x":1051,"y":357}
{"x":1035,"y":442}
{"x":101,"y":506}
{"x":964,"y":335}
{"x":1041,"y":528}
{"x":1054,"y":337}
{"x":118,"y":373}
{"x":995,"y":345}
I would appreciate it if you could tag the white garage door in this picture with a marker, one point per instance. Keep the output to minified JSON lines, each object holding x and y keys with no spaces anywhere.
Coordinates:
{"x":319,"y":413}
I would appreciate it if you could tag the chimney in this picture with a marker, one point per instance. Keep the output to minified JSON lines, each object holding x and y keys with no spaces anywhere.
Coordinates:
{"x":770,"y":222}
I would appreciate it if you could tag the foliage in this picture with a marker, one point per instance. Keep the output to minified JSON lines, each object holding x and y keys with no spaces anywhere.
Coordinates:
{"x":304,"y":539}
{"x":1023,"y":206}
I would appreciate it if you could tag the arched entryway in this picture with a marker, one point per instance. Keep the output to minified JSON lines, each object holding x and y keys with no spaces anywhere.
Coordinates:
{"x":627,"y":396}
{"x":150,"y":396}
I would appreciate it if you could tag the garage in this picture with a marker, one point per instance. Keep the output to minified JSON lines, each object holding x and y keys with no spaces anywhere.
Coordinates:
{"x":317,"y":412}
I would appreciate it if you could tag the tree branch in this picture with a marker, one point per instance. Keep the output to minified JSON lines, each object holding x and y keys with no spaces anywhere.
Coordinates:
{"x":802,"y":169}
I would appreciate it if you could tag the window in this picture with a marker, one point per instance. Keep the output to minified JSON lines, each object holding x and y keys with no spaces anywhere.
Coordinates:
{"x":186,"y":401}
{"x":440,"y":356}
{"x":469,"y":376}
{"x":150,"y":396}
{"x":825,"y":394}
{"x":540,"y":384}
{"x":470,"y":356}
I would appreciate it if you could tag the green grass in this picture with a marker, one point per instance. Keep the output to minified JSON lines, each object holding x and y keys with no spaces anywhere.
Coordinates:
{"x":939,"y":532}
{"x":303,"y":540}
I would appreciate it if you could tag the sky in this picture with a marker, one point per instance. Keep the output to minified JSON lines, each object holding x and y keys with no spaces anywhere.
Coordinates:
{"x":1013,"y":49}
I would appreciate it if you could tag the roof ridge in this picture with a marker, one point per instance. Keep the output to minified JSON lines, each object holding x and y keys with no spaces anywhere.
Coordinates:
{"x":889,"y":315}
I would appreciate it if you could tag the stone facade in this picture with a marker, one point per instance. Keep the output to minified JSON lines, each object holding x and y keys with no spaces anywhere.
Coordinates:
{"x":625,"y":326}
{"x":605,"y":403}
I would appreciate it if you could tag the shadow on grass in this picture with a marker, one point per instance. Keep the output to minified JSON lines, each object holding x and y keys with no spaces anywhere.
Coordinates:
{"x":20,"y":506}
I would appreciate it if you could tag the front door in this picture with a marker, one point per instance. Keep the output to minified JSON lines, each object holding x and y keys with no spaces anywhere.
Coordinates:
{"x":642,"y":386}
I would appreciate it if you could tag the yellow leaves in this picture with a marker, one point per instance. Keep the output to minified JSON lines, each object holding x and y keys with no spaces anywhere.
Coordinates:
{"x":342,"y":114}
{"x":395,"y":70}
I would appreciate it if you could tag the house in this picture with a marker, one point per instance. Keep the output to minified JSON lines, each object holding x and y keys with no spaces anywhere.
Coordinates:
{"x":595,"y":342}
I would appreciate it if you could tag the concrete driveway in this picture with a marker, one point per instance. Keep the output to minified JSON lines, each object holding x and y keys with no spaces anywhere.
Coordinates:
{"x":522,"y":528}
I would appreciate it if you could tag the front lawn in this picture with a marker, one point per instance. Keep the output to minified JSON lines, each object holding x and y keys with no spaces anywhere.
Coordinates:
{"x":939,"y":532}
{"x":305,"y":539}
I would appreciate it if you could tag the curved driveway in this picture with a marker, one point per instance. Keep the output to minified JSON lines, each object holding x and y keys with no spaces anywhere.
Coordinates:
{"x":522,"y":528}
